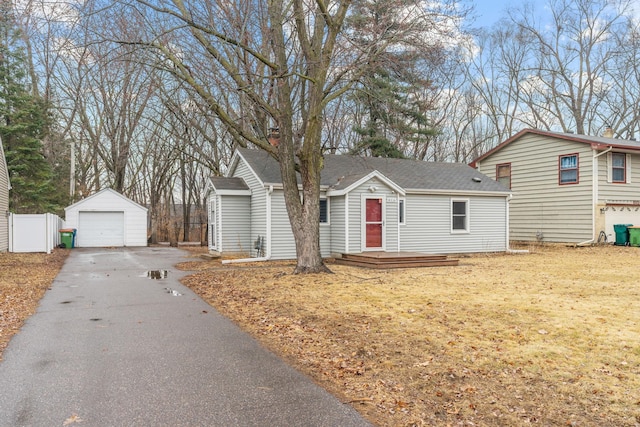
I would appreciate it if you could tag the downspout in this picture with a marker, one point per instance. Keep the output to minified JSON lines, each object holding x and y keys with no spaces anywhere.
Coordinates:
{"x":268,"y":256}
{"x":594,"y":194}
{"x":398,"y":221}
{"x":346,"y":223}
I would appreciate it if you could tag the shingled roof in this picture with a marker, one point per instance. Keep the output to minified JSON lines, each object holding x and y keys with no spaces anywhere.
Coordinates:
{"x":233,"y":184}
{"x":341,"y":171}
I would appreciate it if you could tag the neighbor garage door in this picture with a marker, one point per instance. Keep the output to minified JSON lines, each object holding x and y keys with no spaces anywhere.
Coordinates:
{"x":100,"y":229}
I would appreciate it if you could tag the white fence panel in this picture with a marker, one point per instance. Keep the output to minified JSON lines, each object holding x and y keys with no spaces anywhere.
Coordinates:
{"x":34,"y":232}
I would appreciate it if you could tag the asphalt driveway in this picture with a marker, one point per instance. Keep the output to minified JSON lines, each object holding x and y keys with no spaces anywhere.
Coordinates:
{"x":114,"y":343}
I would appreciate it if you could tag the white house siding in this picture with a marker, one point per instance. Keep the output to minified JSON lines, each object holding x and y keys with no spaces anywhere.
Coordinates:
{"x":212,"y":215}
{"x":235,"y":220}
{"x":135,"y":216}
{"x":4,"y":207}
{"x":392,"y":219}
{"x":325,"y":235}
{"x":540,"y":206}
{"x":356,"y":218}
{"x":4,"y":202}
{"x":337,"y":219}
{"x":428,"y":225}
{"x":282,"y":241}
{"x":258,"y":211}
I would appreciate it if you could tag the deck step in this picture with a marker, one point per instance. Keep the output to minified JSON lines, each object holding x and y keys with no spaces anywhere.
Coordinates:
{"x":383,"y":260}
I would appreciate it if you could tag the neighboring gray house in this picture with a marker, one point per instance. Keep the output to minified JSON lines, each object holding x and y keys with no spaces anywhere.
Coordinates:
{"x":5,"y":186}
{"x":566,"y":187}
{"x":367,"y":204}
{"x":107,"y":218}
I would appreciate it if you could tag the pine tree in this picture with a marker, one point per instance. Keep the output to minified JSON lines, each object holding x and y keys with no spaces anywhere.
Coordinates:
{"x":24,"y":121}
{"x":393,"y":117}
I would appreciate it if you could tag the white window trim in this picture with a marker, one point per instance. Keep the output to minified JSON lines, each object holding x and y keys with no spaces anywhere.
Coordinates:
{"x":323,"y":224}
{"x":363,"y":222}
{"x":627,"y":164}
{"x":403,"y":201}
{"x":467,"y":229}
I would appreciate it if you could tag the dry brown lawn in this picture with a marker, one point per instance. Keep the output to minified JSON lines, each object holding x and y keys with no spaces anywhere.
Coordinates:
{"x":550,"y":338}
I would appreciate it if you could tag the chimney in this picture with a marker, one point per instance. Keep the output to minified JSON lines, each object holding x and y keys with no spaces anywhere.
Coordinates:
{"x":608,"y":132}
{"x":274,"y":136}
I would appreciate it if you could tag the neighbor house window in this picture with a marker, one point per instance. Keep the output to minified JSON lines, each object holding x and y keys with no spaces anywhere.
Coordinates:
{"x":618,"y":167}
{"x":401,"y":217}
{"x":459,"y":216}
{"x":324,"y":211}
{"x":568,"y":169}
{"x":503,"y":174}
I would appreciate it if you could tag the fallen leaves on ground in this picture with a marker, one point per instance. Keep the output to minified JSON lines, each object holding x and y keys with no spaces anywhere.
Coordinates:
{"x":24,"y":278}
{"x":548,"y":338}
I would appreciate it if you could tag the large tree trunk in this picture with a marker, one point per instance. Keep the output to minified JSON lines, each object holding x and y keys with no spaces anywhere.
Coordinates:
{"x":304,"y":215}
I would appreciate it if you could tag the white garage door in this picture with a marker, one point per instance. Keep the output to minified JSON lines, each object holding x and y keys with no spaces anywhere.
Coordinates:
{"x":100,"y":229}
{"x":620,"y":215}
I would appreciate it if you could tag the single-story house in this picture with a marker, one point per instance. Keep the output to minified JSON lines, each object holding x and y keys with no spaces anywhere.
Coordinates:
{"x":5,"y":186}
{"x":107,"y":218}
{"x":567,"y":187}
{"x":366,"y":204}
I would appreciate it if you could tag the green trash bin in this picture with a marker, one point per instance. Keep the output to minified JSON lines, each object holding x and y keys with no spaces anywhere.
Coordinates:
{"x":622,"y":234}
{"x":634,"y":236}
{"x":67,"y":237}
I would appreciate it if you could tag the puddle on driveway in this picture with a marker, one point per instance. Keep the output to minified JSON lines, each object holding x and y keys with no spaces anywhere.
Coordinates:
{"x":173,"y":292}
{"x":157,"y":274}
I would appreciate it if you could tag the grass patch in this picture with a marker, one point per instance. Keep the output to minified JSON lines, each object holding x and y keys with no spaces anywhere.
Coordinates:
{"x":549,"y":338}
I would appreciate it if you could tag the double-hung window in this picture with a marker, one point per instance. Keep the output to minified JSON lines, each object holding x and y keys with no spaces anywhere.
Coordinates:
{"x":568,"y":169}
{"x":459,"y":216}
{"x":503,"y":174}
{"x":618,"y":167}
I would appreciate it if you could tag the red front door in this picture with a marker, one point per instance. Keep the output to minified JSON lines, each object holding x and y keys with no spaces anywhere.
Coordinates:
{"x":373,"y":223}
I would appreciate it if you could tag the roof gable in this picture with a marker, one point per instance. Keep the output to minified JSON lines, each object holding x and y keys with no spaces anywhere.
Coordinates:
{"x":342,"y":172}
{"x":596,"y":142}
{"x":340,"y":189}
{"x":100,"y":194}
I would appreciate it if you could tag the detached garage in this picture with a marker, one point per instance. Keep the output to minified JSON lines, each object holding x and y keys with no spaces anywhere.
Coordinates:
{"x":108,"y":218}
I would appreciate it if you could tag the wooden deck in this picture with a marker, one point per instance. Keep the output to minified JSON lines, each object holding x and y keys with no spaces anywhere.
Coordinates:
{"x":383,"y":260}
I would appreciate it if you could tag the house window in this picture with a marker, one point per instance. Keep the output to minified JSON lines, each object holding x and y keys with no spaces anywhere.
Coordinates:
{"x":568,"y":169}
{"x":459,"y":216}
{"x":503,"y":174}
{"x":324,"y":211}
{"x":401,"y":211}
{"x":618,"y":167}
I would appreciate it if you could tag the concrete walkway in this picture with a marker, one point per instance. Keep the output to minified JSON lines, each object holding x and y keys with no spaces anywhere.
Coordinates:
{"x":110,"y":346}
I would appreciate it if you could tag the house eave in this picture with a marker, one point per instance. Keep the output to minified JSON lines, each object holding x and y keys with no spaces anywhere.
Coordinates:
{"x":375,"y":174}
{"x":231,"y":192}
{"x":422,"y":191}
